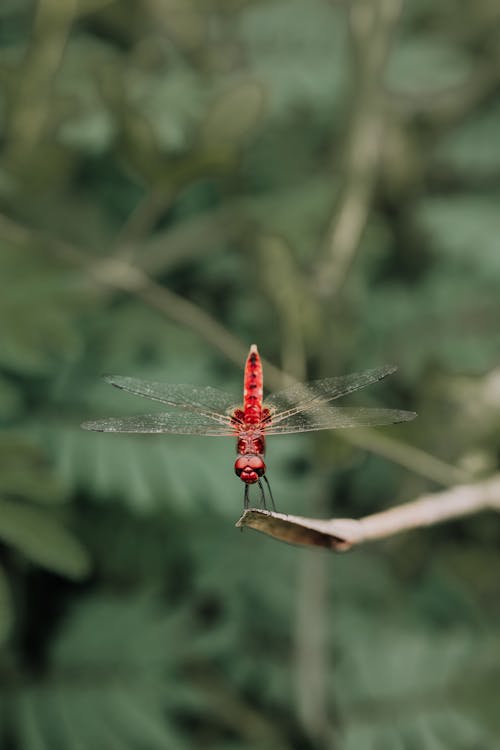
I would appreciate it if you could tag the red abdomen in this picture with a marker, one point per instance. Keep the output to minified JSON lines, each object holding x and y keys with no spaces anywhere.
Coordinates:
{"x":253,"y":388}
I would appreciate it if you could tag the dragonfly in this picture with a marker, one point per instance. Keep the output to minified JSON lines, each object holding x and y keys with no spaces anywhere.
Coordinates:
{"x":209,"y":411}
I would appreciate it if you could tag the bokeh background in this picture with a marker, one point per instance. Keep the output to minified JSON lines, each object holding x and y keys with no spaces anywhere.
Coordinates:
{"x":180,"y":179}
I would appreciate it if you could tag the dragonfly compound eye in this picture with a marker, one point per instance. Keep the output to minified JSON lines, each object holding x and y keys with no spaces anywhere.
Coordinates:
{"x":249,"y":468}
{"x":257,"y":464}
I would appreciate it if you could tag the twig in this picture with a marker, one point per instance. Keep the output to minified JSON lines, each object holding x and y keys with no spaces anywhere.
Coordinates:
{"x":341,"y":534}
{"x":415,"y":459}
{"x":371,"y":25}
{"x":288,"y":299}
{"x":159,"y":198}
{"x":121,"y":275}
{"x":193,"y":238}
{"x":29,"y":108}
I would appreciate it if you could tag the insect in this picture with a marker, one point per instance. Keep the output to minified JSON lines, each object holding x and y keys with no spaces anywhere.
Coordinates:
{"x":209,"y":411}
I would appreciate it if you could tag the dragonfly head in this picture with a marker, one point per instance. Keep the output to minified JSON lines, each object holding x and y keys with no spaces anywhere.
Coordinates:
{"x":249,"y":468}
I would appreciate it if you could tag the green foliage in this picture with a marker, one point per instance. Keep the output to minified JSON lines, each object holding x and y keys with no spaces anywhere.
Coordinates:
{"x":42,"y":540}
{"x":88,"y":126}
{"x":296,"y":49}
{"x":39,"y":336}
{"x":472,"y":147}
{"x":209,"y":144}
{"x":108,"y":680}
{"x":25,"y":472}
{"x":35,"y":532}
{"x":406,"y":685}
{"x":427,"y":63}
{"x":464,"y":228}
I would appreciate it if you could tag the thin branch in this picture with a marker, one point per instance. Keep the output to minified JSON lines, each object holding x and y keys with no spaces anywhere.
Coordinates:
{"x":141,"y":221}
{"x":29,"y":109}
{"x":122,"y":276}
{"x":412,"y":458}
{"x":289,"y":301}
{"x":159,"y":198}
{"x":192,"y":239}
{"x":371,"y":25}
{"x":341,"y":534}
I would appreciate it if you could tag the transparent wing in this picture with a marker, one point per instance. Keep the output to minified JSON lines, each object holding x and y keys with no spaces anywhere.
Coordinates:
{"x":304,"y":396}
{"x":333,"y":417}
{"x":206,"y":401}
{"x":175,"y":424}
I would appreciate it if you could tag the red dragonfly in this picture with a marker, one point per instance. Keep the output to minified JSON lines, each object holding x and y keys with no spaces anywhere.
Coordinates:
{"x":209,"y":411}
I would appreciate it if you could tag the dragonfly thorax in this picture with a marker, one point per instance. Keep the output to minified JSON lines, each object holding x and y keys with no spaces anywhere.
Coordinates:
{"x":249,"y":468}
{"x":251,"y":442}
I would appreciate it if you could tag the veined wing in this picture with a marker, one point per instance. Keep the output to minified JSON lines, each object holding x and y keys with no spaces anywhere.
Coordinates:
{"x":305,"y":396}
{"x":334,"y":417}
{"x":181,"y":423}
{"x":204,"y":400}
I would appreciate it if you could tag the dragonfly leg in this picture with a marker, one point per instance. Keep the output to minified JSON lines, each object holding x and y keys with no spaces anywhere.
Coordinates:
{"x":245,"y":501}
{"x":262,"y":496}
{"x":270,"y":492}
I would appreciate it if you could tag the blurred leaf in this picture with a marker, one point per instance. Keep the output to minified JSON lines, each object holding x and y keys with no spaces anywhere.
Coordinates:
{"x":297,"y":50}
{"x":146,"y":471}
{"x":234,"y":115}
{"x":161,"y":538}
{"x":25,"y":473}
{"x":448,"y":315}
{"x":448,"y":319}
{"x":466,"y":228}
{"x":181,"y":19}
{"x":170,"y":98}
{"x":473,"y":146}
{"x":132,"y":631}
{"x":296,"y":212}
{"x":380,"y":684}
{"x":426,"y":64}
{"x":108,"y":685}
{"x":87,"y":124}
{"x":132,"y":336}
{"x":43,"y":540}
{"x":291,"y":297}
{"x":36,"y":303}
{"x":11,"y":7}
{"x":10,"y":399}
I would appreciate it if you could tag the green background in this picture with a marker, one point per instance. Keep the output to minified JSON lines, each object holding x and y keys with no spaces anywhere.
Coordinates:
{"x":180,"y":179}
